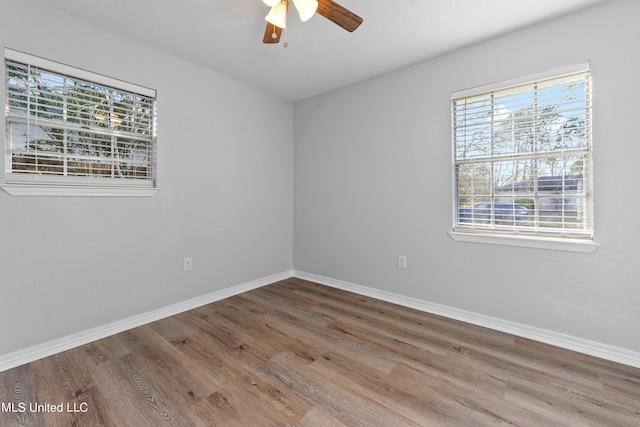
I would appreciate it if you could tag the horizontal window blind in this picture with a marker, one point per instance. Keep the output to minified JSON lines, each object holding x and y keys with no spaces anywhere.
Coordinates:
{"x":522,"y":158}
{"x":67,"y":130}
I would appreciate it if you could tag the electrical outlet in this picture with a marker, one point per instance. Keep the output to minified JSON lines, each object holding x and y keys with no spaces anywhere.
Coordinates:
{"x":402,"y":261}
{"x":188,"y":264}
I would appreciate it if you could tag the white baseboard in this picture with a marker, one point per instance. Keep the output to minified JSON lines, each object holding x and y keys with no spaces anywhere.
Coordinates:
{"x":49,"y":348}
{"x":592,"y":348}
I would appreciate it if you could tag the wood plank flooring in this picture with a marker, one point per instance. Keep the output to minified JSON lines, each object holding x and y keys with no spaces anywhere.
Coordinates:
{"x":299,"y":353}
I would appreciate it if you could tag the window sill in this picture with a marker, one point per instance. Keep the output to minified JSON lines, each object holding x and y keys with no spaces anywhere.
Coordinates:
{"x":76,"y":191}
{"x":558,"y":244}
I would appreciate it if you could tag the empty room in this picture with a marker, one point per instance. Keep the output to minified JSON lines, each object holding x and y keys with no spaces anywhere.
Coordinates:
{"x":331,"y":213}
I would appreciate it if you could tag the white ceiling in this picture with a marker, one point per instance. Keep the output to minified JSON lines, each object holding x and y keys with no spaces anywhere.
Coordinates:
{"x":226,"y":35}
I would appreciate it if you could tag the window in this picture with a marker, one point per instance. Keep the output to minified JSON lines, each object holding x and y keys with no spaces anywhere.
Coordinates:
{"x":69,"y":130}
{"x":522,"y":157}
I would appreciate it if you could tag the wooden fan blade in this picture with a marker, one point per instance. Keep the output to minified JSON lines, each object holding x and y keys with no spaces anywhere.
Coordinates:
{"x":339,"y":15}
{"x":273,"y":29}
{"x":269,"y":33}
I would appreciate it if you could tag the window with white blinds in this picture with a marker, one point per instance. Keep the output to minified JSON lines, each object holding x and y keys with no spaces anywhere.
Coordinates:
{"x":522,"y":156}
{"x":70,"y":127}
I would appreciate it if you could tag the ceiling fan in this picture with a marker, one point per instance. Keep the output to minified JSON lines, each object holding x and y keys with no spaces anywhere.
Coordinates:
{"x":277,"y":17}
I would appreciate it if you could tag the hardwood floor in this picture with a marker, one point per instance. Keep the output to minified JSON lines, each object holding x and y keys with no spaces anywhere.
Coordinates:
{"x":299,"y":353}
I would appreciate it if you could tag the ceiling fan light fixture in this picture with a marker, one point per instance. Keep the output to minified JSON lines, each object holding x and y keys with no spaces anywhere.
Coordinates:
{"x":306,"y":8}
{"x":271,"y":3}
{"x":278,"y":15}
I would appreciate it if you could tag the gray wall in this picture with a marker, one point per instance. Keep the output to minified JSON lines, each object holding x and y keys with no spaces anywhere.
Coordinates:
{"x":372,"y":180}
{"x":68,"y":264}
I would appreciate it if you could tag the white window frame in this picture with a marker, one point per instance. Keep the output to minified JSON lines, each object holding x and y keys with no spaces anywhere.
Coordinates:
{"x":521,"y":236}
{"x":49,"y":184}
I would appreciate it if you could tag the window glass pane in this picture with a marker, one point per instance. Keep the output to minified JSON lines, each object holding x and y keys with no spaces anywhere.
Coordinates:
{"x":474,"y":181}
{"x":473,"y":129}
{"x":134,"y":157}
